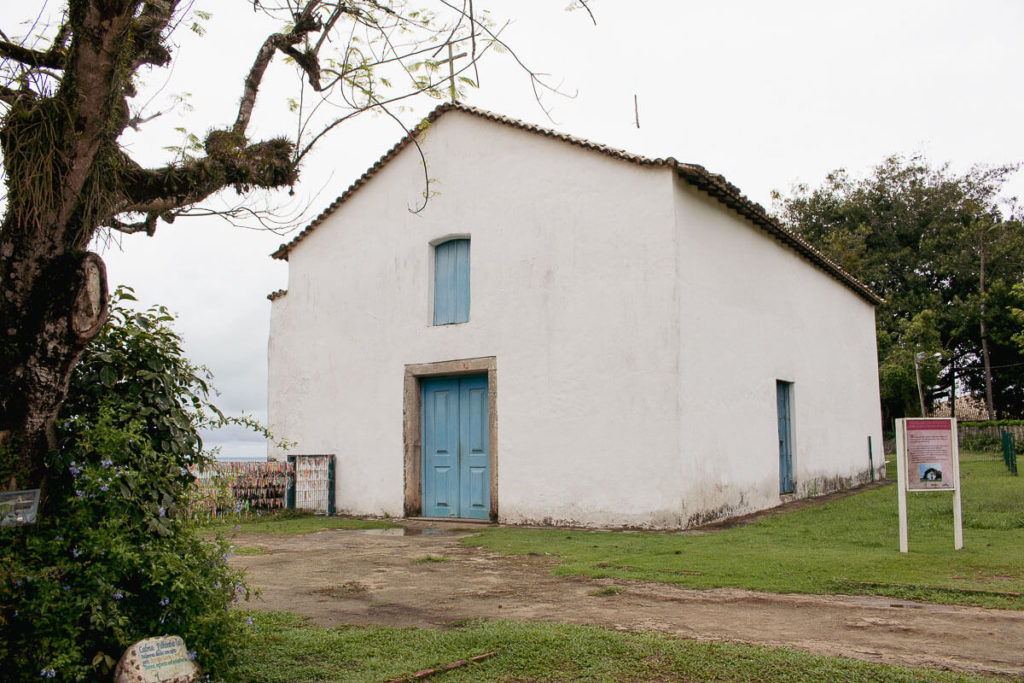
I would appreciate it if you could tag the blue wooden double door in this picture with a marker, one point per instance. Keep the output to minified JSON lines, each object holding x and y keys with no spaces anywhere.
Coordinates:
{"x":456,"y":447}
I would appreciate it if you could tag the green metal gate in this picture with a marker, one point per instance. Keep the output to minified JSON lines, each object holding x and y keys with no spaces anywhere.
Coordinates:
{"x":312,"y":487}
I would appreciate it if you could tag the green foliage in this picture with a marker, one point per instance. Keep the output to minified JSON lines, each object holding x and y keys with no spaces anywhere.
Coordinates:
{"x":114,"y":558}
{"x":285,"y":649}
{"x":1015,"y":309}
{"x":844,"y":545}
{"x":897,"y":349}
{"x":916,"y":235}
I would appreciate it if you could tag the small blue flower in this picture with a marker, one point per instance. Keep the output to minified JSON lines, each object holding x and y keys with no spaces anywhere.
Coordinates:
{"x":192,"y":655}
{"x":48,"y":673}
{"x":65,"y":588}
{"x":183,"y":471}
{"x":58,"y":538}
{"x":160,"y":511}
{"x":74,"y":469}
{"x":165,"y":601}
{"x":106,"y":463}
{"x":75,"y":552}
{"x":104,"y":488}
{"x":79,"y":493}
{"x":248,"y":622}
{"x":118,"y":595}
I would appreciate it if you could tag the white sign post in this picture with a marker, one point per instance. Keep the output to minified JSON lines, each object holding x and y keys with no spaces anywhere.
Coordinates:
{"x":928,"y":459}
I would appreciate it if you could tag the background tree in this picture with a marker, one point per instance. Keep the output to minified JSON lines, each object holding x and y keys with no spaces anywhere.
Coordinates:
{"x":1016,"y":312}
{"x":68,"y":93}
{"x":945,"y":252}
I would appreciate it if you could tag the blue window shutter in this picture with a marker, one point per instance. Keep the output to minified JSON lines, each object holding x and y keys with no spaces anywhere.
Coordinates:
{"x":451,"y":282}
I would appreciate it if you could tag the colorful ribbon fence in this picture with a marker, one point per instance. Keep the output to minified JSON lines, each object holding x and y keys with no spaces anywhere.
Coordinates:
{"x":227,"y":487}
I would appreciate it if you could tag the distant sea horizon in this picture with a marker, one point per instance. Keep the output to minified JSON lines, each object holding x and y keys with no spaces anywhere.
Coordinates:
{"x":235,"y":451}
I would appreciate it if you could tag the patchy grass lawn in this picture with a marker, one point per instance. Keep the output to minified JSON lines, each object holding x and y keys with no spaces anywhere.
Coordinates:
{"x":292,"y":522}
{"x":848,"y":545}
{"x":283,"y":648}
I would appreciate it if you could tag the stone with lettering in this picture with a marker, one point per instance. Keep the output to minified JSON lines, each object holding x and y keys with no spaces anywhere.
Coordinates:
{"x":157,"y":660}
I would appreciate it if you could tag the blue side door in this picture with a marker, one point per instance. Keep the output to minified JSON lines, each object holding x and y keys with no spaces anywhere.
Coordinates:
{"x":784,"y":404}
{"x":456,"y":447}
{"x":441,"y":447}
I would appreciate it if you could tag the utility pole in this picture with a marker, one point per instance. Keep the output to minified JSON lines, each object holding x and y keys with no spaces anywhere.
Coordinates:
{"x":918,"y":357}
{"x":989,"y":403}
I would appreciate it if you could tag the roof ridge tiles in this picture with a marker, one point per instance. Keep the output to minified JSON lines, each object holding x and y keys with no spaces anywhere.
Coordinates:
{"x":714,"y":184}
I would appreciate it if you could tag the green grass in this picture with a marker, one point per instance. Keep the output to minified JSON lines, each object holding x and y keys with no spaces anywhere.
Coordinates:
{"x":291,"y":522}
{"x":848,"y":545}
{"x":249,"y":550}
{"x":283,"y":648}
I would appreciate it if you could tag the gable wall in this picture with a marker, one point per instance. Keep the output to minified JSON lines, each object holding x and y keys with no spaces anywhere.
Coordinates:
{"x":752,"y":312}
{"x":573,"y":261}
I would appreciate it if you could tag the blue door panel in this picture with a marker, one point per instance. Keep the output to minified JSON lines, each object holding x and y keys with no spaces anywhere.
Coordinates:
{"x":440,"y":447}
{"x":442,"y":477}
{"x":474,"y":494}
{"x":784,"y":407}
{"x":479,"y":485}
{"x":456,"y":447}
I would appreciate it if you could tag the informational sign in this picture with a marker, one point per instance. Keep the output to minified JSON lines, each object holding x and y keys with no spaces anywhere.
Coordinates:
{"x":928,"y":459}
{"x":930,"y":454}
{"x":18,"y":507}
{"x":157,"y":660}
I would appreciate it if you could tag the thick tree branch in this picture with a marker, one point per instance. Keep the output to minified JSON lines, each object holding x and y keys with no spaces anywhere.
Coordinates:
{"x":230,"y":162}
{"x":148,"y":225}
{"x":305,"y":23}
{"x":10,"y":95}
{"x":53,"y":59}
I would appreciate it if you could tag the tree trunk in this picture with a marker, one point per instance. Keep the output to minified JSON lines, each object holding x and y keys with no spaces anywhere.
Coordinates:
{"x":53,"y":303}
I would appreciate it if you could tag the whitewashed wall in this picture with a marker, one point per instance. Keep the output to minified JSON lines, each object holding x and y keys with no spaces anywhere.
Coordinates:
{"x":571,"y":292}
{"x":753,"y":312}
{"x":625,"y":324}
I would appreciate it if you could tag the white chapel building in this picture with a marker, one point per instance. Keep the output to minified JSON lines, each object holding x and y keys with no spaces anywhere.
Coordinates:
{"x":566,"y":334}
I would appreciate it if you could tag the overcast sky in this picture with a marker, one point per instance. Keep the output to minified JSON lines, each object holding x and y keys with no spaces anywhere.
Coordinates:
{"x":768,"y":94}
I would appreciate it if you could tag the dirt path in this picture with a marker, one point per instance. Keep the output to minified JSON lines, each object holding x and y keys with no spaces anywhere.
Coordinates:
{"x":344,"y":577}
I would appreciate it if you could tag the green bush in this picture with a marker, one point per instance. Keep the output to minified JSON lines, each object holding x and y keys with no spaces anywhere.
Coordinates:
{"x":990,"y":423}
{"x":114,"y":557}
{"x":987,"y":443}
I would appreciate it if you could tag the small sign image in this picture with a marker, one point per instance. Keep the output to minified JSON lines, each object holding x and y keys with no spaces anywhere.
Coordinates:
{"x":18,"y":507}
{"x":930,"y":471}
